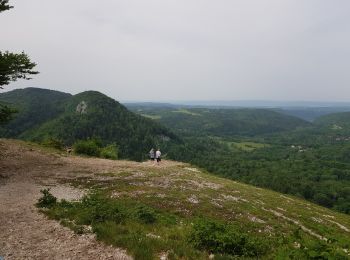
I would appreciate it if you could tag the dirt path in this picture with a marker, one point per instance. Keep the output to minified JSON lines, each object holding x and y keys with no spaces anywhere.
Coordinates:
{"x":24,"y":232}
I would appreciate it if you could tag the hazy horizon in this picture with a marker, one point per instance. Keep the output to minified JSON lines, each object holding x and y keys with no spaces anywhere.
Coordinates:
{"x":134,"y":50}
{"x":217,"y":102}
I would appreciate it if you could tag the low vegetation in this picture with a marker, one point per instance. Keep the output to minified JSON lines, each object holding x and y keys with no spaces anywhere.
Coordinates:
{"x":47,"y":200}
{"x":181,"y":213}
{"x":53,"y":143}
{"x":93,"y":147}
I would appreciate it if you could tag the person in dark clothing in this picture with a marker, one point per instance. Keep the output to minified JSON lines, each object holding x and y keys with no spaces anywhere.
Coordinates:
{"x":152,"y":154}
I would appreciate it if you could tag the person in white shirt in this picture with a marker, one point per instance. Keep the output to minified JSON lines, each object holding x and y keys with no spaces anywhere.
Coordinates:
{"x":158,"y":156}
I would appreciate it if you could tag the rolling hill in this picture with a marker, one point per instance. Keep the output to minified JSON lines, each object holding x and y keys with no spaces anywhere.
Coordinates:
{"x":86,"y":115}
{"x":35,"y":106}
{"x":221,"y":122}
{"x":336,"y":121}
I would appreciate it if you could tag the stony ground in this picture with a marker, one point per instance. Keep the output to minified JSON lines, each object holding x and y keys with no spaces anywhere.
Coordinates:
{"x":27,"y":234}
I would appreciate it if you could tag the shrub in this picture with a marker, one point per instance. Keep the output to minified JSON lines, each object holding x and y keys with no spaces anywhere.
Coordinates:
{"x":47,"y":200}
{"x":312,"y":250}
{"x":96,"y":209}
{"x":110,"y":152}
{"x":54,"y":143}
{"x":88,"y":147}
{"x":107,"y":211}
{"x":145,"y":214}
{"x":323,"y":200}
{"x":219,"y":238}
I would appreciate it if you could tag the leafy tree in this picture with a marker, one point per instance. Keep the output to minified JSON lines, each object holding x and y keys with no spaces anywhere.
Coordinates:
{"x":6,"y":114}
{"x":4,"y":6}
{"x":13,"y":66}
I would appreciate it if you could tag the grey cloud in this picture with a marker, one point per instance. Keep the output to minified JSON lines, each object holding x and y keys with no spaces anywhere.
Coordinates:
{"x":185,"y":49}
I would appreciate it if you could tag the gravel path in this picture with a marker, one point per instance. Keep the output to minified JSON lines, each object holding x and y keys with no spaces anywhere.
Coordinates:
{"x":24,"y":232}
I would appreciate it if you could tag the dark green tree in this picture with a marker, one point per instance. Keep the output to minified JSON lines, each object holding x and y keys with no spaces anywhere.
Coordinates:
{"x":13,"y":66}
{"x":6,"y":113}
{"x":4,"y":6}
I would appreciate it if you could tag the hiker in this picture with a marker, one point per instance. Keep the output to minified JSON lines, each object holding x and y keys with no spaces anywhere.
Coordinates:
{"x":158,"y":155}
{"x":151,"y":154}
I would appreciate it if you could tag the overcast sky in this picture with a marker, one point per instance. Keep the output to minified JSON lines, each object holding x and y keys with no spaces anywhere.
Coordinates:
{"x":161,"y":50}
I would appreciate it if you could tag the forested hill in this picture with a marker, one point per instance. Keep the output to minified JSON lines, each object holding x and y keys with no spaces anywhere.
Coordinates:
{"x":34,"y":106}
{"x":222,"y":122}
{"x":335,"y":121}
{"x":45,"y":114}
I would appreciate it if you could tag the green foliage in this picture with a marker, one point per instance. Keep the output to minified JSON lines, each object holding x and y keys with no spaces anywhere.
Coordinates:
{"x":47,"y":200}
{"x":110,"y":152}
{"x":34,"y":106}
{"x":222,"y":122}
{"x":4,"y":6}
{"x":88,"y":147}
{"x":145,"y":214}
{"x":307,"y":164}
{"x":123,"y":223}
{"x":53,"y":143}
{"x":97,"y":209}
{"x":307,"y":249}
{"x":129,"y":224}
{"x":93,"y":147}
{"x":44,"y":114}
{"x":336,"y":121}
{"x":218,"y":238}
{"x":6,"y":114}
{"x":15,"y":66}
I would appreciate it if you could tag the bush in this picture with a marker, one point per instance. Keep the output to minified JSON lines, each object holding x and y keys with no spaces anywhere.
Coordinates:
{"x":218,"y":238}
{"x":323,"y":199}
{"x":6,"y":114}
{"x":110,"y":152}
{"x":145,"y":214}
{"x":47,"y":200}
{"x":88,"y":147}
{"x":107,"y":211}
{"x":312,"y":250}
{"x":95,"y":209}
{"x":54,"y":143}
{"x":93,"y":147}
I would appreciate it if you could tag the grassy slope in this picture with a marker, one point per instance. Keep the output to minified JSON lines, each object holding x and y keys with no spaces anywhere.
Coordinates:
{"x":178,"y":195}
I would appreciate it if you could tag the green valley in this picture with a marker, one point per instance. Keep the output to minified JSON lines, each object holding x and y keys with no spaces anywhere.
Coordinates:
{"x":266,"y":149}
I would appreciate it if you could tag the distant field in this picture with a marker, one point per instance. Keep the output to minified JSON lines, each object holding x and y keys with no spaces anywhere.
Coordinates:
{"x":247,"y":146}
{"x":154,"y":117}
{"x":186,"y":111}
